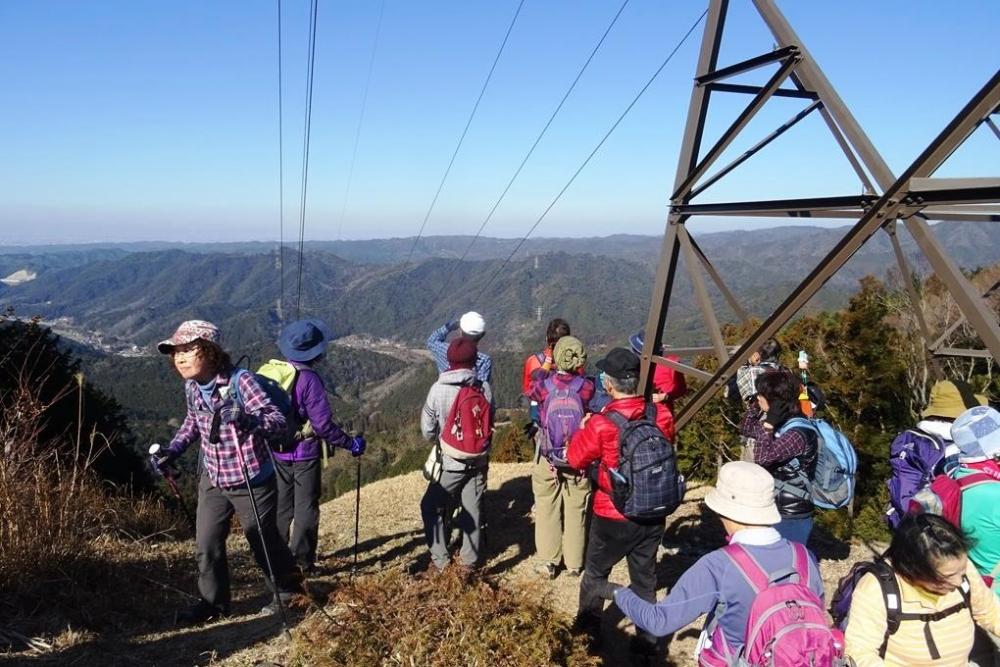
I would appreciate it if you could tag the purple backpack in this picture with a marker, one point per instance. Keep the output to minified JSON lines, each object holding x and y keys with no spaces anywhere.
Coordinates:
{"x":786,"y":624}
{"x":561,"y":414}
{"x":913,"y":456}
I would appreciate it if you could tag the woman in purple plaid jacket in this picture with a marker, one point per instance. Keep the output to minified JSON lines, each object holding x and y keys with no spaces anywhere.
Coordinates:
{"x":231,"y":417}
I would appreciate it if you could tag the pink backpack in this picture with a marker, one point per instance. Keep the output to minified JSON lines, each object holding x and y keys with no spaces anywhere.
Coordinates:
{"x":786,"y":625}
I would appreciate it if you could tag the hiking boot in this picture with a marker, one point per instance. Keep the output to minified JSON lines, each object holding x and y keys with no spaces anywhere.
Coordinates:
{"x":203,"y":612}
{"x":573,"y":572}
{"x":271,"y":608}
{"x":547,"y":570}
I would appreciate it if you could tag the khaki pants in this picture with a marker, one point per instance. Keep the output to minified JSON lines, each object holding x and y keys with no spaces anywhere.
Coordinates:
{"x":561,"y":500}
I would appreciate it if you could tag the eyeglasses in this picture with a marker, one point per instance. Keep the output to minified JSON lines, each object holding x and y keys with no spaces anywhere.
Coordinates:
{"x":189,"y":353}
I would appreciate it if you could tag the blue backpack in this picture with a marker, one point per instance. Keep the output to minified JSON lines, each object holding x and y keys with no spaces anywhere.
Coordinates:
{"x":284,"y":441}
{"x":832,"y":485}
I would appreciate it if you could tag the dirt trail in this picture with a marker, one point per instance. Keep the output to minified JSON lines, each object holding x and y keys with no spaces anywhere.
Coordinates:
{"x":391,"y":537}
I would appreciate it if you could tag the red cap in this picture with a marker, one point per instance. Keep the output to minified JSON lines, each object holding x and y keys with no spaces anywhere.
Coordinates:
{"x":462,"y":353}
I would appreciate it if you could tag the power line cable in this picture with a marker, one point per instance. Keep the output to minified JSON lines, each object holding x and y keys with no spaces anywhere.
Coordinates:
{"x":454,"y":154}
{"x":531,"y":150}
{"x":589,"y":157}
{"x":281,"y":185}
{"x":310,"y":70}
{"x":361,"y":120}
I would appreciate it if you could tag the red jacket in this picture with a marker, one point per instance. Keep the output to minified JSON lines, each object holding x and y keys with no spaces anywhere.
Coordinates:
{"x":598,"y":441}
{"x":668,"y":381}
{"x":531,"y":364}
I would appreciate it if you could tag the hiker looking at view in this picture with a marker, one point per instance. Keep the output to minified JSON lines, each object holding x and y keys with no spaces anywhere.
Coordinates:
{"x":457,"y":417}
{"x":556,"y":329}
{"x":789,"y":454}
{"x":231,"y":417}
{"x":612,"y":535}
{"x":941,"y":599}
{"x":916,"y":455}
{"x":471,"y":326}
{"x":298,"y":468}
{"x":719,"y":583}
{"x":561,"y":492}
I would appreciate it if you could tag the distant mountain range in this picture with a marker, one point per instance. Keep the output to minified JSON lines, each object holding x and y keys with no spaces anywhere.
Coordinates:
{"x":136,"y":293}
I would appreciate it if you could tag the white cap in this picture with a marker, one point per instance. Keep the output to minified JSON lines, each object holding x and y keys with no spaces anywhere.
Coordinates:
{"x":472,"y":323}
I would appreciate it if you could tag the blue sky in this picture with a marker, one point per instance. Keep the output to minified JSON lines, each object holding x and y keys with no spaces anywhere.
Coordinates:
{"x":141,"y":120}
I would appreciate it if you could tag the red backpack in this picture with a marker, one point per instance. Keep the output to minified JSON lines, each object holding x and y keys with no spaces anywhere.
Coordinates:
{"x":943,"y":496}
{"x":469,"y":425}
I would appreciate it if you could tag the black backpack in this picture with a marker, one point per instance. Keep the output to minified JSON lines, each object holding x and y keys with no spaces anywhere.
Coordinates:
{"x":894,"y":614}
{"x":646,"y":486}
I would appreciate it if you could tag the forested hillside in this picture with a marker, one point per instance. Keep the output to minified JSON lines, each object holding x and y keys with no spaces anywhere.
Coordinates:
{"x":136,"y":297}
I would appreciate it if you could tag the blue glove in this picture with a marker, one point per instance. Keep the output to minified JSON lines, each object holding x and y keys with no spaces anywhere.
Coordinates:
{"x":357,"y":445}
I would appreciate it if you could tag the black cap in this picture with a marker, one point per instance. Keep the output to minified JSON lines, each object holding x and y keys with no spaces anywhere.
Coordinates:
{"x":621,"y":364}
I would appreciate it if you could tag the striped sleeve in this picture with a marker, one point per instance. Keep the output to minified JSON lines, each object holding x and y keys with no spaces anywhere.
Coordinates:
{"x":866,"y":625}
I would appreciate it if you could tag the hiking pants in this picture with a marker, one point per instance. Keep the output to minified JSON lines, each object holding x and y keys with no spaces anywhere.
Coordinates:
{"x":215,"y":511}
{"x":560,"y":515}
{"x":610,"y":541}
{"x":298,"y":499}
{"x":464,"y":483}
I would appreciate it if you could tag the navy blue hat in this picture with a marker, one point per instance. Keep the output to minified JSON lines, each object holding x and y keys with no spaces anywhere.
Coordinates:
{"x":636,"y":341}
{"x":304,"y":340}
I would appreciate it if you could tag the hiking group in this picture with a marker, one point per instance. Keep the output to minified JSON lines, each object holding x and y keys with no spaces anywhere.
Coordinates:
{"x":604,"y":480}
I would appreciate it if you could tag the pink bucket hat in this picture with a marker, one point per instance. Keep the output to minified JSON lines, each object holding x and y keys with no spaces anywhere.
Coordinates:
{"x":189,"y":331}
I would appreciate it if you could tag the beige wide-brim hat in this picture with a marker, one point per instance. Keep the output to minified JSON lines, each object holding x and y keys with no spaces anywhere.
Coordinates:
{"x":744,"y":493}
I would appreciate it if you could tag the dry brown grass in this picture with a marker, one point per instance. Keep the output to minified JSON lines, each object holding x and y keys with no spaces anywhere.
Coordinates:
{"x":441,"y":620}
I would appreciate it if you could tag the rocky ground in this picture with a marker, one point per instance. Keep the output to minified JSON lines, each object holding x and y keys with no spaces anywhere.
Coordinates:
{"x":390,"y":536}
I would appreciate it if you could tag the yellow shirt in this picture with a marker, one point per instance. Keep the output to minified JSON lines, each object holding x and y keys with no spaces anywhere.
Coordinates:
{"x":953,"y":635}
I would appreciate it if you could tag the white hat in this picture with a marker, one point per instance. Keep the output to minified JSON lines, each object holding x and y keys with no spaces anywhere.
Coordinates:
{"x":472,"y":323}
{"x":744,"y":493}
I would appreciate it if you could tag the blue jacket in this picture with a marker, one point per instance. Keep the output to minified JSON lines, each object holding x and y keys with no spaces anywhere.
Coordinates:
{"x":437,"y":343}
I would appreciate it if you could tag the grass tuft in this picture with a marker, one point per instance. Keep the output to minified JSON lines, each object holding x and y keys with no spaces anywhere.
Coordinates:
{"x":449,"y":619}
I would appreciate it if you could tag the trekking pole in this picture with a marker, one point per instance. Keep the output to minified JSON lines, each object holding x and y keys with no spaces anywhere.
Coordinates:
{"x":263,"y":544}
{"x":357,"y":517}
{"x":170,"y":475}
{"x":357,"y":507}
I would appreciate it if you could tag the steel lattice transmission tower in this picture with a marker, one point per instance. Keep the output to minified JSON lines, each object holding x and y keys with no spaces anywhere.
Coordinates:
{"x":911,"y":199}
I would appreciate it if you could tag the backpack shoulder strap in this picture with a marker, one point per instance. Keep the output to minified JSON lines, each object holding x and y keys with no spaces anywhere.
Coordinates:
{"x":576,"y":384}
{"x":890,"y":596}
{"x":975,"y":479}
{"x":798,"y":422}
{"x":800,"y":562}
{"x":617,"y":418}
{"x":650,"y":412}
{"x":234,"y":386}
{"x":748,"y":566}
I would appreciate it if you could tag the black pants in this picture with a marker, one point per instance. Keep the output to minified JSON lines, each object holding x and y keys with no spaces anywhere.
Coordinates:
{"x":298,"y":498}
{"x":609,"y":542}
{"x":215,"y":512}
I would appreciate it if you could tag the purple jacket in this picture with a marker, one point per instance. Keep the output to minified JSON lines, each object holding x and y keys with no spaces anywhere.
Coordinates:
{"x":309,"y":401}
{"x":713,"y":578}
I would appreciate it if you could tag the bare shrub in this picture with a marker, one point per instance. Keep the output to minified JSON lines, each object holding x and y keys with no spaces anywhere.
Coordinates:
{"x":441,"y":620}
